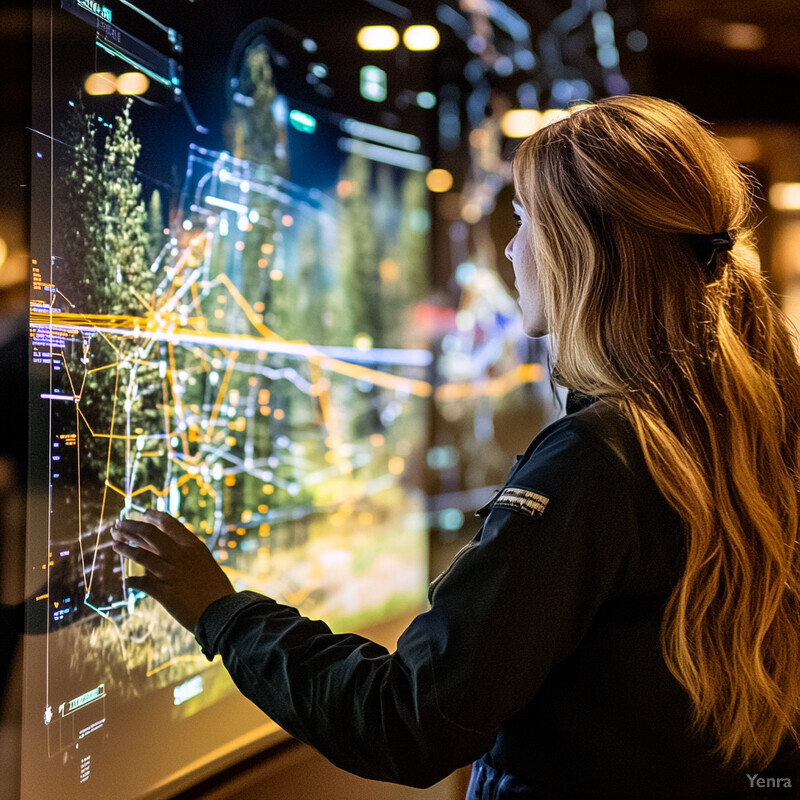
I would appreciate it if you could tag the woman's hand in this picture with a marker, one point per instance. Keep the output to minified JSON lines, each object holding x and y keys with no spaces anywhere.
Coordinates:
{"x":180,"y":571}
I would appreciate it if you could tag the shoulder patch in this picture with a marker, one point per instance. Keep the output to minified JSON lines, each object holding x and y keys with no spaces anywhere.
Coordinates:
{"x":525,"y":501}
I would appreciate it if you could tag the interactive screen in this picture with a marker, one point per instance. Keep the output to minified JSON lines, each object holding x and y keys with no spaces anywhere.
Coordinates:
{"x":227,"y":249}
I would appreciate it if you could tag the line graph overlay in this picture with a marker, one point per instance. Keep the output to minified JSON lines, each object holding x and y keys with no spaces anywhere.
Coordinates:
{"x":286,"y":456}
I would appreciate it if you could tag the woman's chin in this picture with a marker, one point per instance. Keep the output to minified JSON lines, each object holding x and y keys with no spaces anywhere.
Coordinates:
{"x":534,"y":329}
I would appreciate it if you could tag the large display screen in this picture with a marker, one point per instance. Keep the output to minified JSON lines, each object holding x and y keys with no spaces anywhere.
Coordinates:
{"x":227,"y":248}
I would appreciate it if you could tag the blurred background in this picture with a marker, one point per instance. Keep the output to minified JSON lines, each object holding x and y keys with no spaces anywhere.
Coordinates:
{"x":490,"y":73}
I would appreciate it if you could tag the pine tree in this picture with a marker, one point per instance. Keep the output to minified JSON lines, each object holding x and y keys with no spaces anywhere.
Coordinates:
{"x":360,"y":310}
{"x":81,"y":205}
{"x":126,"y":236}
{"x":106,"y":240}
{"x":413,"y":241}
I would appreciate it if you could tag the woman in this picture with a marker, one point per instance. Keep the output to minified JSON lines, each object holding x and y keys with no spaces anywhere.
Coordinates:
{"x":627,"y":622}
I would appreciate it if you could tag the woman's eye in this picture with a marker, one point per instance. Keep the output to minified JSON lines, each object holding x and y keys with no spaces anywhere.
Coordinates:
{"x":517,"y":220}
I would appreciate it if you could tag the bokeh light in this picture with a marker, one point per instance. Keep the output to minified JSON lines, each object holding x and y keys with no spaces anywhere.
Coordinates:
{"x":421,"y":37}
{"x":439,"y":180}
{"x":378,"y":37}
{"x":133,"y":83}
{"x":100,"y":83}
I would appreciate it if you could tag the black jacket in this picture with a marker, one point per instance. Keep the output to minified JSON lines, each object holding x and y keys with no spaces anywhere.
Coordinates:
{"x":540,"y":653}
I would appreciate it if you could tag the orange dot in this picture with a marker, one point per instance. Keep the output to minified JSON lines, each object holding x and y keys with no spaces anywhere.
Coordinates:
{"x":389,"y":270}
{"x":240,"y":246}
{"x":396,"y":465}
{"x":279,"y":414}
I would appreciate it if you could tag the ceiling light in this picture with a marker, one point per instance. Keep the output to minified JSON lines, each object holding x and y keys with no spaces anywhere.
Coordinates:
{"x":421,"y":37}
{"x":378,"y":37}
{"x":785,"y":196}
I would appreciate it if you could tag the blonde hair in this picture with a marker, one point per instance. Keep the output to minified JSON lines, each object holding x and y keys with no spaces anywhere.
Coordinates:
{"x":702,"y":362}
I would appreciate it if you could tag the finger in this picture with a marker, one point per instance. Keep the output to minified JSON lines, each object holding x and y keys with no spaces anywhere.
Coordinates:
{"x":142,"y":583}
{"x":142,"y":534}
{"x":169,"y":525}
{"x":151,"y":586}
{"x":152,"y":562}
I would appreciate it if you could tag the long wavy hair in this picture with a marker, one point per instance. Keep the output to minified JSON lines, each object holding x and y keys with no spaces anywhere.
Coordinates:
{"x":703,"y":363}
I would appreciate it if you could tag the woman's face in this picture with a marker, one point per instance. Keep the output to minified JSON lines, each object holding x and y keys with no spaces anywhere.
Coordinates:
{"x":518,"y":252}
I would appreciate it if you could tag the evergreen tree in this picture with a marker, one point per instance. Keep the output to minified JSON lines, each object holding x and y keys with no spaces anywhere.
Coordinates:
{"x":360,"y":310}
{"x":126,"y":236}
{"x":81,"y":204}
{"x":414,"y":238}
{"x":105,"y":244}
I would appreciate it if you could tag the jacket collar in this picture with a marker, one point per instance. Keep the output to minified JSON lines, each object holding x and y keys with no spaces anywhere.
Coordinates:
{"x":577,"y":401}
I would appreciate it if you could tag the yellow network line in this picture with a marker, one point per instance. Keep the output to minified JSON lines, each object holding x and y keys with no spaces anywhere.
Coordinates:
{"x":221,"y":394}
{"x":346,"y":368}
{"x":493,"y":387}
{"x":155,"y":490}
{"x":265,"y":331}
{"x":69,"y":374}
{"x":80,"y":508}
{"x":105,"y":485}
{"x":121,"y":436}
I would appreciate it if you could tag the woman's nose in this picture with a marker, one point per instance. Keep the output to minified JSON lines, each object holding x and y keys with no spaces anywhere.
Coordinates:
{"x":509,"y":248}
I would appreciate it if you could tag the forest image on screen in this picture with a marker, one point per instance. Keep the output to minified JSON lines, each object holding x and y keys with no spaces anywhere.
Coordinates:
{"x":214,"y":337}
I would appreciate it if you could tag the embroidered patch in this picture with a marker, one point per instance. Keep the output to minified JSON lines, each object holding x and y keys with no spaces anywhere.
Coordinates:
{"x":523,"y":500}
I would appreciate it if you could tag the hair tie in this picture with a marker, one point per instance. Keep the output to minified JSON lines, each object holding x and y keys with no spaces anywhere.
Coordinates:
{"x":707,"y":245}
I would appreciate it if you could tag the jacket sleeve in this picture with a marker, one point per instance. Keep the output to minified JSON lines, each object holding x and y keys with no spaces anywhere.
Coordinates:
{"x":514,"y":603}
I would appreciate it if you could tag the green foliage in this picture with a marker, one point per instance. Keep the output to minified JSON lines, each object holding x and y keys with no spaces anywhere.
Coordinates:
{"x":105,"y":239}
{"x":104,"y":226}
{"x":81,"y":211}
{"x":126,"y":235}
{"x":360,"y":310}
